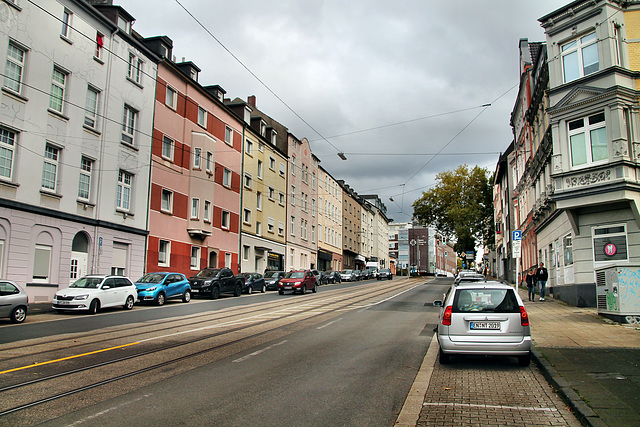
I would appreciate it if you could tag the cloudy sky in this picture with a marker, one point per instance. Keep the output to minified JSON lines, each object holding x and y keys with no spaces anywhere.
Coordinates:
{"x":400,"y":87}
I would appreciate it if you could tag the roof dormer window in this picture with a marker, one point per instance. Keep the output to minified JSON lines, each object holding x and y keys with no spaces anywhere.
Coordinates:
{"x":263,"y":128}
{"x":123,"y":24}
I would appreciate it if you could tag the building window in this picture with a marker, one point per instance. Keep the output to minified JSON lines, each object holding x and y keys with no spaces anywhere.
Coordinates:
{"x":259,"y":169}
{"x":228,"y":135}
{"x":129,"y":120}
{"x":99,"y":45}
{"x":293,"y":226}
{"x":164,"y":253}
{"x":135,"y":68}
{"x":197,"y":158}
{"x":247,"y":180}
{"x":91,"y":107}
{"x":195,"y":257}
{"x":58,"y":86}
{"x":207,"y":211}
{"x":272,"y":163}
{"x":123,"y":199}
{"x":293,"y":195}
{"x":271,"y":225}
{"x":567,"y":243}
{"x":259,"y":200}
{"x":7,"y":147}
{"x":580,"y":57}
{"x":249,"y":147}
{"x":195,"y":208}
{"x":293,"y":165}
{"x":282,"y":169}
{"x":66,"y":23}
{"x":209,"y":162}
{"x":588,"y":140}
{"x":167,"y":148}
{"x":226,"y":178}
{"x":281,"y":198}
{"x":227,"y":260}
{"x":246,"y":216}
{"x":272,"y":193}
{"x":313,"y":207}
{"x":609,"y":244}
{"x":15,"y":66}
{"x":258,"y":228}
{"x":261,"y":147}
{"x":167,"y":201}
{"x":225,"y":220}
{"x":313,"y":233}
{"x":202,"y":117}
{"x":41,"y":263}
{"x":245,"y":253}
{"x":84,"y":186}
{"x":171,"y":99}
{"x":280,"y":228}
{"x":50,"y":168}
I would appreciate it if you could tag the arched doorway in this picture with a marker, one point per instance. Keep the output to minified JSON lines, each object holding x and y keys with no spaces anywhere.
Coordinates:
{"x":79,"y":256}
{"x":213,"y":259}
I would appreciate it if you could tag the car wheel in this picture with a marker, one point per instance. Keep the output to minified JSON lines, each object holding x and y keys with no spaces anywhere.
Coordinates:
{"x":264,"y":289}
{"x":315,"y":289}
{"x":303,"y":290}
{"x":215,"y":292}
{"x":281,"y":292}
{"x":524,"y":360}
{"x":250,"y":290}
{"x":444,"y":358}
{"x":238,"y":291}
{"x":160,"y":299}
{"x":19,"y":314}
{"x":94,"y":306}
{"x":186,"y":297}
{"x":128,"y":304}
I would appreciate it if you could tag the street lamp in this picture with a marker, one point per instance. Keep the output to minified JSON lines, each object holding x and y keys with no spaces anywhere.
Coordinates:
{"x":342,"y":156}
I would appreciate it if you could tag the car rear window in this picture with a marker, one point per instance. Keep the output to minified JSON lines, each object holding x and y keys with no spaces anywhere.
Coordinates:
{"x":485,"y":301}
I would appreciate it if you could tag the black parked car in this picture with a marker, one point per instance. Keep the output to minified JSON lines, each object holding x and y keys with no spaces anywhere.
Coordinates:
{"x":334,"y":277}
{"x":272,"y":278}
{"x":323,"y":278}
{"x":253,"y":282}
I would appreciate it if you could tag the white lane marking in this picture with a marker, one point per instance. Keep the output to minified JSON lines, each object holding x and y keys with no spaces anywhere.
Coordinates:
{"x":255,"y":353}
{"x":475,"y":405}
{"x":366,"y":306}
{"x":330,"y":323}
{"x":106,"y":411}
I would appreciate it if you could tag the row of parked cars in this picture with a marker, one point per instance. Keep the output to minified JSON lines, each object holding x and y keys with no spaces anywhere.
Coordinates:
{"x":94,"y":292}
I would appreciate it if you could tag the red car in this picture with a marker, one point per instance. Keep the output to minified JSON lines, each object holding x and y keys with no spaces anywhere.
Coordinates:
{"x":298,"y":281}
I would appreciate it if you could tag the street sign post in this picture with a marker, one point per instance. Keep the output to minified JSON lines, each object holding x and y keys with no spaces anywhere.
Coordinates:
{"x":516,"y":252}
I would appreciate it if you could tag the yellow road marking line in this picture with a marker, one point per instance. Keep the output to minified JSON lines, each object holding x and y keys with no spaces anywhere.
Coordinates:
{"x":66,"y":358}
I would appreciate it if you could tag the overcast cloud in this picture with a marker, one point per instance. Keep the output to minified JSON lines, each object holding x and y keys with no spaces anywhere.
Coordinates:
{"x":352,"y":65}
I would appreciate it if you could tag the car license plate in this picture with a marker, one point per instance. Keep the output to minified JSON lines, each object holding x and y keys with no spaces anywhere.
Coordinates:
{"x":64,"y":302}
{"x":287,"y":288}
{"x":485,"y":325}
{"x":195,"y":291}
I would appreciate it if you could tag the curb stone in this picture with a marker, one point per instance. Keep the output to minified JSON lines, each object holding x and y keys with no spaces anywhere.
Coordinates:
{"x":583,"y":412}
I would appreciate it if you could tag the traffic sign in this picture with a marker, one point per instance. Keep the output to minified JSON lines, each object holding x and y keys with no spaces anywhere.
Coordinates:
{"x":517,"y":235}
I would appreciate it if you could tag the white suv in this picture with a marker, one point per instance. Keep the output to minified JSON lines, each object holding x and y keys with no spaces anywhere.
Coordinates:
{"x":91,"y":293}
{"x":486,"y":318}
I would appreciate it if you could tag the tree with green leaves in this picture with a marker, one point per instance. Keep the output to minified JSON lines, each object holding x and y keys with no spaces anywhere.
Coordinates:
{"x":460,"y":206}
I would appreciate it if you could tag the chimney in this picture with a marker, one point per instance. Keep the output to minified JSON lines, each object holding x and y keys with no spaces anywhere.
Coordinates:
{"x":252,"y":100}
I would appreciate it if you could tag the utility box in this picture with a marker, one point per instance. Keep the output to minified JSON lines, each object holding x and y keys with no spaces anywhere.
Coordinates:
{"x":618,"y":292}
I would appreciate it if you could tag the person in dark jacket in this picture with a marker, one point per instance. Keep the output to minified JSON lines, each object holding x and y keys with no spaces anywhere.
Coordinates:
{"x":531,"y":284}
{"x":542,"y":275}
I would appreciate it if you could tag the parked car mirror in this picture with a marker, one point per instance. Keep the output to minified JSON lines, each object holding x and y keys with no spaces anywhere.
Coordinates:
{"x":105,"y":287}
{"x":437,"y":303}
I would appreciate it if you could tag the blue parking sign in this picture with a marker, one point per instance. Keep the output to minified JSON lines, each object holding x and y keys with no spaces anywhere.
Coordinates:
{"x":517,"y":235}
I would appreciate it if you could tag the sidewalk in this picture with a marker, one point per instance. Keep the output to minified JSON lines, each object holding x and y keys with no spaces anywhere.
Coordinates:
{"x":593,"y":362}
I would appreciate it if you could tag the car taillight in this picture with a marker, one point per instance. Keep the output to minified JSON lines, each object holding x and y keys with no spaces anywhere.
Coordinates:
{"x":446,"y":317}
{"x":524,"y":317}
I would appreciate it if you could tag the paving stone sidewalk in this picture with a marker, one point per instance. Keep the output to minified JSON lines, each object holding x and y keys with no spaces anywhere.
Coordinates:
{"x":592,"y":361}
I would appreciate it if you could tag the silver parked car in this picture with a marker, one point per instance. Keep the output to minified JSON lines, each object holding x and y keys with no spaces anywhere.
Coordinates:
{"x":484,"y":318}
{"x":14,"y":302}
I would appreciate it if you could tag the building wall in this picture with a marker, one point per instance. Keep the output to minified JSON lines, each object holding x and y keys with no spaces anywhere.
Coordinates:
{"x":329,"y":219}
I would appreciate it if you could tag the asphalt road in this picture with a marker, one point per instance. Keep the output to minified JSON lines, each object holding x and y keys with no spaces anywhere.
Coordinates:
{"x":346,"y":355}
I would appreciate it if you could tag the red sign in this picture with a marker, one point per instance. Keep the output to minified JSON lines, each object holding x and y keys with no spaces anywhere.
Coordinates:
{"x":610,"y":249}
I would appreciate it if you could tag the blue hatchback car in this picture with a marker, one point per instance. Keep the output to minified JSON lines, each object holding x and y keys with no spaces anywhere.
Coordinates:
{"x":158,"y":287}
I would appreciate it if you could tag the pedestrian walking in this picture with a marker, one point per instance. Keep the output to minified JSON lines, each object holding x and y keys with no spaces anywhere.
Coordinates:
{"x":530,"y":279}
{"x":542,"y":275}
